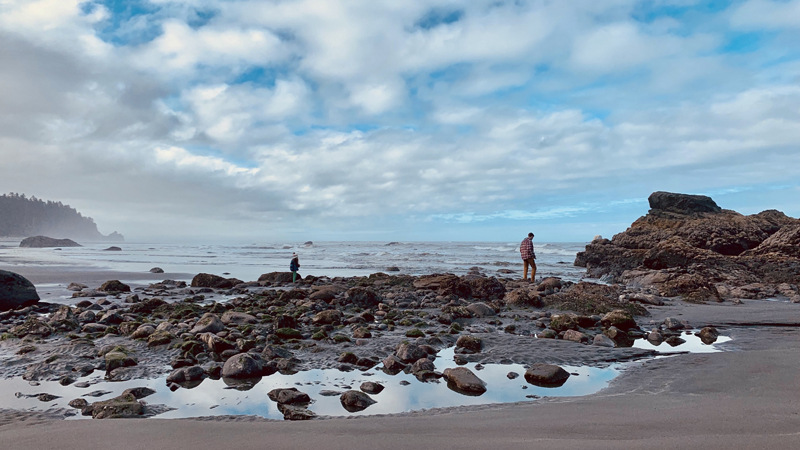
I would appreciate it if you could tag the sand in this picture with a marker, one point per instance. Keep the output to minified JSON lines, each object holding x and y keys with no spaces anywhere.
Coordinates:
{"x":741,"y":399}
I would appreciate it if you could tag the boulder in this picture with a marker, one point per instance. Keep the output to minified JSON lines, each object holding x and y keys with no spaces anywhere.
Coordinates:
{"x":468,"y":344}
{"x":294,"y":412}
{"x":16,"y":291}
{"x":601,"y":340}
{"x":354,"y":401}
{"x":444,"y":284}
{"x":209,"y":323}
{"x":288,"y":396}
{"x":393,"y":364}
{"x":371,"y":387}
{"x":139,"y":392}
{"x":63,"y":319}
{"x":32,"y":327}
{"x":620,"y":319}
{"x":113,"y":248}
{"x":708,"y":335}
{"x":281,"y":277}
{"x":421,"y":366}
{"x":464,"y":380}
{"x":238,"y":318}
{"x":46,"y":242}
{"x":480,"y":309}
{"x":327,"y":317}
{"x":487,"y":288}
{"x":363,"y":297}
{"x":119,"y":358}
{"x":546,"y":375}
{"x":214,"y":281}
{"x":564,"y":322}
{"x":156,"y":270}
{"x":409,"y":353}
{"x":523,"y":297}
{"x":576,"y":336}
{"x":114,"y":286}
{"x":122,"y":407}
{"x":243,"y":365}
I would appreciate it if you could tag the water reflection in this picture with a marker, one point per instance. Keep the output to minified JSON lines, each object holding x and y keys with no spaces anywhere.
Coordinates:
{"x":693,"y":344}
{"x":403,"y":392}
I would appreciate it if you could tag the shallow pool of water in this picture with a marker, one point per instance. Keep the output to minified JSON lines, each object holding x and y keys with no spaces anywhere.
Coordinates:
{"x":693,"y":344}
{"x":402,"y":393}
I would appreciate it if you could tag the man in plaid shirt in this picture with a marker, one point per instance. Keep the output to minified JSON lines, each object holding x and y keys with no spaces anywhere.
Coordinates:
{"x":528,"y":257}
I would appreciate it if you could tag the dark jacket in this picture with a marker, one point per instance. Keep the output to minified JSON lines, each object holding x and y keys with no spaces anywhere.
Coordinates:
{"x":294,"y":265}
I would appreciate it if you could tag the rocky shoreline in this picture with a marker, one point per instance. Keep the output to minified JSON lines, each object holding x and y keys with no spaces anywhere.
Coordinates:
{"x":399,"y":323}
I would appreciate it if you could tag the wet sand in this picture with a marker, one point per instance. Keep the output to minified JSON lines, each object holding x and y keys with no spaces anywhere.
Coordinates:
{"x":741,"y":399}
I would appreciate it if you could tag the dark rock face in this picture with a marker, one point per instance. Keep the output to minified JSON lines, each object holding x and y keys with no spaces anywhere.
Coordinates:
{"x":363,"y":297}
{"x":47,"y":242}
{"x":447,"y":284}
{"x":487,"y":288}
{"x":288,"y":396}
{"x":124,"y":406}
{"x":687,"y":245}
{"x":682,"y":203}
{"x":16,"y":291}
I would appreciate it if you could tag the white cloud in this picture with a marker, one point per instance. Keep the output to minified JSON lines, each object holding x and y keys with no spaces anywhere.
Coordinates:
{"x":771,"y":14}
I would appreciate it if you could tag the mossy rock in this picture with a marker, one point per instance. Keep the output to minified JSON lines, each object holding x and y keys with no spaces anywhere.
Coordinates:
{"x":319,"y":335}
{"x":414,"y":333}
{"x":339,"y":338}
{"x":288,"y":333}
{"x":406,"y":323}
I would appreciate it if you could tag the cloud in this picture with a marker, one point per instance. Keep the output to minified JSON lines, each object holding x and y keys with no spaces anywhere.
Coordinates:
{"x":354,"y":114}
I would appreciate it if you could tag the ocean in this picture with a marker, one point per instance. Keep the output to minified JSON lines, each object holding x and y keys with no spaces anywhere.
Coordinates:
{"x":247,"y":262}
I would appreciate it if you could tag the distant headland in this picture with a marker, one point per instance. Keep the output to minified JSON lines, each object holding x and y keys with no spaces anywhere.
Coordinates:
{"x":22,"y":216}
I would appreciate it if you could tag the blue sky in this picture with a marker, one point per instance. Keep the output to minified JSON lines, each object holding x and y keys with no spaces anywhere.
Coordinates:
{"x":384,"y":120}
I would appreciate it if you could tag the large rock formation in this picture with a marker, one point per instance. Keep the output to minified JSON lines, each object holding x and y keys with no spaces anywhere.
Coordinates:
{"x":46,"y":242}
{"x":687,"y":245}
{"x":16,"y":291}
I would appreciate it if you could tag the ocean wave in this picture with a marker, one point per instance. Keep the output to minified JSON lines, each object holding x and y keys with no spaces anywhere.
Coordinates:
{"x":494,"y":249}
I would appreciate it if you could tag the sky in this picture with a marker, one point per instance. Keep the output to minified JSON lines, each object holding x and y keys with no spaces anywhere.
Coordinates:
{"x":477,"y":120}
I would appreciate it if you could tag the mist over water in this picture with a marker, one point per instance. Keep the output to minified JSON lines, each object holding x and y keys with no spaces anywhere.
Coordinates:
{"x":247,"y":262}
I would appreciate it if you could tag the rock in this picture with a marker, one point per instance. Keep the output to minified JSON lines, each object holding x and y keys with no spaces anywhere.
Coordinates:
{"x":114,"y":286}
{"x":363,"y":297}
{"x":47,"y":242}
{"x":287,"y":396}
{"x":602,"y":340}
{"x":371,"y":387}
{"x":620,"y":319}
{"x":327,"y":317}
{"x":550,"y":285}
{"x":672,"y":323}
{"x":119,"y":358}
{"x":156,"y":270}
{"x":122,"y":407}
{"x":238,"y":318}
{"x":523,"y":297}
{"x":546,"y":375}
{"x":293,"y":412}
{"x":112,"y":249}
{"x":409,"y":353}
{"x":480,"y":309}
{"x":487,"y":288}
{"x":277,"y":277}
{"x":393,"y":364}
{"x":512,"y":375}
{"x":16,"y":291}
{"x":421,"y":366}
{"x":143,"y":331}
{"x":468,"y":344}
{"x":447,"y":284}
{"x":547,"y":334}
{"x":564,"y":322}
{"x":32,"y":327}
{"x":243,"y":365}
{"x":686,"y":241}
{"x":655,"y":338}
{"x":288,"y":333}
{"x":75,"y":287}
{"x":464,"y":380}
{"x":94,"y":328}
{"x":208,"y":280}
{"x":271,"y":352}
{"x":78,"y":403}
{"x":361,"y":333}
{"x":708,"y":335}
{"x":159,"y":338}
{"x":209,"y":323}
{"x":675,"y":341}
{"x":186,"y":374}
{"x":326,"y":294}
{"x":139,"y":392}
{"x":576,"y":336}
{"x":393,"y":269}
{"x":354,"y":401}
{"x":63,"y":319}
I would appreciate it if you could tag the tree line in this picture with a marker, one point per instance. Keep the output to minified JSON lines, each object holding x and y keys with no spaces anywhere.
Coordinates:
{"x":22,"y":216}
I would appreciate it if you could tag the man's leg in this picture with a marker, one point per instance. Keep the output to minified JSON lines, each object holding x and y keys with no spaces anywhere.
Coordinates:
{"x":525,"y":269}
{"x":294,"y":277}
{"x":533,"y":270}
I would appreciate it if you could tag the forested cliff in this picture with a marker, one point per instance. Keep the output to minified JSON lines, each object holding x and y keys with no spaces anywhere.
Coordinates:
{"x":22,"y":217}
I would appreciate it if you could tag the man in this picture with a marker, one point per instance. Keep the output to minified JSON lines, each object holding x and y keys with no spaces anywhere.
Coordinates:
{"x":528,"y":257}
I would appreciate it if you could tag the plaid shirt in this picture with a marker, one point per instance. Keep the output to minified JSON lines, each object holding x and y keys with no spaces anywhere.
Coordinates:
{"x":526,"y":249}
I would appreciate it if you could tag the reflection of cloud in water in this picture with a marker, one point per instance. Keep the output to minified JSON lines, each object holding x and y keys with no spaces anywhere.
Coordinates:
{"x":693,"y":344}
